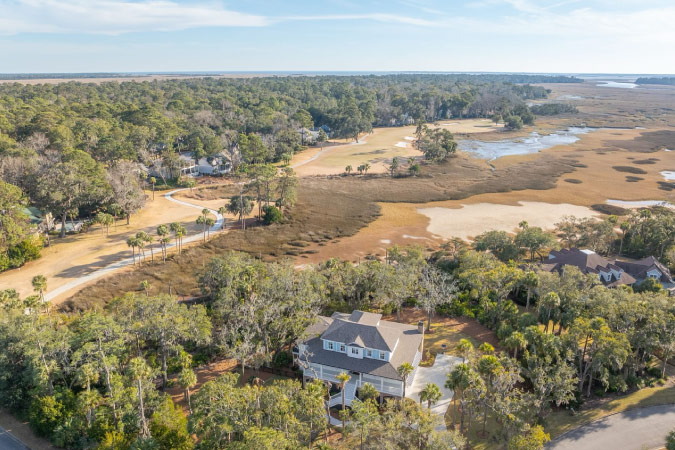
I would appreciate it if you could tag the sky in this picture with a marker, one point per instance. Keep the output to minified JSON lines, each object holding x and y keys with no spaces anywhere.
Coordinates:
{"x":559,"y":36}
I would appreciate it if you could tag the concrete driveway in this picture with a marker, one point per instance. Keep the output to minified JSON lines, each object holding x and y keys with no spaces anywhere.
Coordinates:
{"x":9,"y":442}
{"x":644,"y":428}
{"x":436,"y":374}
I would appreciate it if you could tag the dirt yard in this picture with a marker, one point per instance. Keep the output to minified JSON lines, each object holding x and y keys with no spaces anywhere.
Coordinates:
{"x":447,"y":330}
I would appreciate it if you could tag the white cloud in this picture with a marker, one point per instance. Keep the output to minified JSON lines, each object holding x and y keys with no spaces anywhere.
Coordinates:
{"x":560,"y":19}
{"x":115,"y":17}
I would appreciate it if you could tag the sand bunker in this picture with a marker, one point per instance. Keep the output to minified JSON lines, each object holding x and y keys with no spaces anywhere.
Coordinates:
{"x":401,"y":144}
{"x":668,"y":175}
{"x":472,"y":220}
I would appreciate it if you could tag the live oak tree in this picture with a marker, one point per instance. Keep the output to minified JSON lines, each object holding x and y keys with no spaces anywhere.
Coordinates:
{"x":435,"y":288}
{"x":74,"y":181}
{"x":14,"y":224}
{"x":126,"y":181}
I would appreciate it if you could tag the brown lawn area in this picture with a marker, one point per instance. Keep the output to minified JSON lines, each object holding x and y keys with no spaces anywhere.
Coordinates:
{"x":447,"y":330}
{"x":213,"y":370}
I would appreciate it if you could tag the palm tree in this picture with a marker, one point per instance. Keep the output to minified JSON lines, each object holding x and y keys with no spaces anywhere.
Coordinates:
{"x":39,"y":283}
{"x":163,"y":233}
{"x":367,"y":391}
{"x":210,"y":222}
{"x":145,"y":238}
{"x":343,"y":378}
{"x":131,"y":242}
{"x":515,"y":342}
{"x":179,"y":231}
{"x":240,"y":206}
{"x":140,"y":243}
{"x":139,"y":371}
{"x":145,"y":285}
{"x":464,"y":348}
{"x":153,"y":182}
{"x":201,"y":220}
{"x":366,"y":166}
{"x":222,"y":211}
{"x":430,"y":393}
{"x":458,"y":380}
{"x":348,"y":169}
{"x":625,"y":226}
{"x":187,"y":379}
{"x":530,"y":281}
{"x":404,"y":370}
{"x":393,"y":166}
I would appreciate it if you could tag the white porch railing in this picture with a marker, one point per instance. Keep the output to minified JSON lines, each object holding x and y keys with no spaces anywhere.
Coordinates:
{"x":383,"y":385}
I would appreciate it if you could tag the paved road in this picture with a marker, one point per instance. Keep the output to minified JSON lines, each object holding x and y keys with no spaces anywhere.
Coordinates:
{"x":128,"y":261}
{"x":9,"y":442}
{"x":644,"y":428}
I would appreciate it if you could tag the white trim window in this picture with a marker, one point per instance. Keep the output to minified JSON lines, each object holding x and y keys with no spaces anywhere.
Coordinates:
{"x":369,"y":353}
{"x":383,"y":355}
{"x":355,"y":351}
{"x":331,"y":346}
{"x":343,"y":349}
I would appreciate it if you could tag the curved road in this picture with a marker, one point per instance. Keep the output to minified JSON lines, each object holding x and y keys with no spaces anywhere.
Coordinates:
{"x":128,"y":261}
{"x":637,"y":429}
{"x":10,"y":442}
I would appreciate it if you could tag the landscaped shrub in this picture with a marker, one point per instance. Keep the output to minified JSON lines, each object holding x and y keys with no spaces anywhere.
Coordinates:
{"x":28,"y":250}
{"x":282,"y":359}
{"x":670,"y":441}
{"x":271,"y":214}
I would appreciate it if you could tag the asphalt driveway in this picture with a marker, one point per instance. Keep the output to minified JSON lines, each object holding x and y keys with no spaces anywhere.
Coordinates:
{"x":644,"y":428}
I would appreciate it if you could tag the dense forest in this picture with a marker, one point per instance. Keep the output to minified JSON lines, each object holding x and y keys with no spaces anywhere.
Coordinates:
{"x":101,"y":378}
{"x":74,"y":150}
{"x":656,"y":80}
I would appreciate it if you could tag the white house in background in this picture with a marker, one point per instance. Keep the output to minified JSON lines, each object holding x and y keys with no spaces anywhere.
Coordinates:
{"x":214,"y":165}
{"x":611,"y":273}
{"x":364,"y":346}
{"x":187,"y":167}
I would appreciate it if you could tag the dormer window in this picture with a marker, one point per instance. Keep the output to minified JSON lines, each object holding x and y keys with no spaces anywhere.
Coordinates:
{"x":369,"y":353}
{"x":382,"y":355}
{"x":331,"y":346}
{"x":355,"y":351}
{"x":343,"y":348}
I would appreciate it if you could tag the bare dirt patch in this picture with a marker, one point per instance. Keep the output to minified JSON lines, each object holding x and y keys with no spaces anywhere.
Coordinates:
{"x":469,"y":327}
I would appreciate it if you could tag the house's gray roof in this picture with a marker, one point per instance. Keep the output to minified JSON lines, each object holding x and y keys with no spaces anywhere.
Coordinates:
{"x":408,"y":337}
{"x":363,"y":329}
{"x":590,"y":262}
{"x":640,"y":268}
{"x":587,"y":261}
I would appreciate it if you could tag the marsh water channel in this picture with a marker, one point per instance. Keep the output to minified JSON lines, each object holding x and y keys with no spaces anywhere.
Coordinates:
{"x":533,"y":143}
